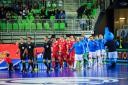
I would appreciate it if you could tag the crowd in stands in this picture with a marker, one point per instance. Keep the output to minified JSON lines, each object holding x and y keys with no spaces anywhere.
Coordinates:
{"x":20,"y":10}
{"x":87,"y":9}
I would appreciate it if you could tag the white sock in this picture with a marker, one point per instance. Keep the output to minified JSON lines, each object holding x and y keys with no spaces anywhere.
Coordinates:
{"x":75,"y":63}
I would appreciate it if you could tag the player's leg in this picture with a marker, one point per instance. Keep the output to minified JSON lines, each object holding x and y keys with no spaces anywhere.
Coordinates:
{"x":45,"y":61}
{"x":53,"y":60}
{"x":23,"y":58}
{"x":49,"y":61}
{"x":75,"y":62}
{"x":60,"y":59}
{"x":98,"y":53}
{"x":90,"y":56}
{"x":81,"y":61}
{"x":115,"y":55}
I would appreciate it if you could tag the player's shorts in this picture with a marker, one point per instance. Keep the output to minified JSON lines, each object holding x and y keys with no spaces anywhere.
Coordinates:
{"x":22,"y":57}
{"x":98,"y":53}
{"x":54,"y":55}
{"x":78,"y":57}
{"x":92,"y":55}
{"x":30,"y":57}
{"x":103,"y":52}
{"x":47,"y":56}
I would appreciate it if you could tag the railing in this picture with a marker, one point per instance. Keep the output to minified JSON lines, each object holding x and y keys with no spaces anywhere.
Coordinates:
{"x":47,"y":25}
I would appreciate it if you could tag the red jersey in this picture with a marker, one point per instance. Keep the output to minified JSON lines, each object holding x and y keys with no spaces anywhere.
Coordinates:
{"x":8,"y":60}
{"x":62,"y":45}
{"x":69,"y":45}
{"x":55,"y":46}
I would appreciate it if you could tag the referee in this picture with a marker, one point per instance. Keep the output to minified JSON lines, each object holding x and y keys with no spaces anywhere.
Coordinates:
{"x":30,"y":49}
{"x":47,"y":53}
{"x":22,"y":48}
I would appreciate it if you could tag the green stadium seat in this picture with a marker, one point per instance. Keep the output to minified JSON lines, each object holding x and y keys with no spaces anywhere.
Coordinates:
{"x":9,"y":26}
{"x":89,"y":5}
{"x":15,"y":26}
{"x":56,"y":26}
{"x":46,"y":26}
{"x":3,"y":26}
{"x":94,"y":12}
{"x":27,"y":26}
{"x":52,"y":18}
{"x":33,"y":26}
{"x":62,"y":26}
{"x":21,"y":26}
{"x":39,"y":26}
{"x":31,"y":18}
{"x":93,"y":1}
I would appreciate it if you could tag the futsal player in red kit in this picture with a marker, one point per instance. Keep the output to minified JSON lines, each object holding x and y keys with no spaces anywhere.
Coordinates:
{"x":62,"y":51}
{"x":70,"y":58}
{"x":54,"y":53}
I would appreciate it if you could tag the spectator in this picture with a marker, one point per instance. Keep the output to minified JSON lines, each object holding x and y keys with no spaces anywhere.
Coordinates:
{"x":8,"y":15}
{"x":43,"y":13}
{"x":80,"y":11}
{"x":25,"y":12}
{"x":62,"y":15}
{"x":83,"y":24}
{"x":2,"y":13}
{"x":57,"y":12}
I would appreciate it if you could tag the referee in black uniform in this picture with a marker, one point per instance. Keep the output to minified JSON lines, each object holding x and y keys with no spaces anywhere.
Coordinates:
{"x":47,"y":53}
{"x":30,"y":49}
{"x":22,"y":48}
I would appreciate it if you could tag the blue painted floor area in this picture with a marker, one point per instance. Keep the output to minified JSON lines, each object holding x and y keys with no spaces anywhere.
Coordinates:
{"x":3,"y":64}
{"x":97,"y":75}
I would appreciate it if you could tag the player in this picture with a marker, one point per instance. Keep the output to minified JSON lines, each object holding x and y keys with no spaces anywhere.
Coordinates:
{"x":22,"y":49}
{"x":47,"y":53}
{"x":102,"y":47}
{"x":54,"y":53}
{"x":72,"y":54}
{"x":84,"y":40}
{"x":69,"y":57}
{"x":98,"y":50}
{"x":61,"y":51}
{"x":92,"y":50}
{"x":30,"y":53}
{"x":79,"y":51}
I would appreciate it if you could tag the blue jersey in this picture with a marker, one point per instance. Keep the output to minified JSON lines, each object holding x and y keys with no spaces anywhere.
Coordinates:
{"x":78,"y":47}
{"x":84,"y":44}
{"x":97,"y":44}
{"x":102,"y":44}
{"x":92,"y":46}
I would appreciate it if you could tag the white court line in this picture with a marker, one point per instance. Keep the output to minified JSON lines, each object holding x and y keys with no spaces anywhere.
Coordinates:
{"x":59,"y":80}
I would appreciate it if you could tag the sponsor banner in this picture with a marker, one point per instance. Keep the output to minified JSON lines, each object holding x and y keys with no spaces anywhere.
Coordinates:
{"x":12,"y":49}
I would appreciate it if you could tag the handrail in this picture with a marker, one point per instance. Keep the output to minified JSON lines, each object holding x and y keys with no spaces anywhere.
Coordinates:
{"x":47,"y":25}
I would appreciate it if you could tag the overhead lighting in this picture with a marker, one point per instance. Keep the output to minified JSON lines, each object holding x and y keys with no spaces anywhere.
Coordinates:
{"x":116,"y":21}
{"x":122,"y":18}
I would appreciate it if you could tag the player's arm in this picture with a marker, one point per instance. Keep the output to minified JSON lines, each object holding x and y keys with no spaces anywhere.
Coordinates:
{"x":71,"y":48}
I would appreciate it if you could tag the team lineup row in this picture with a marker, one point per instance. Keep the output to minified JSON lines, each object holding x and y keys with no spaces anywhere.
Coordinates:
{"x":70,"y":51}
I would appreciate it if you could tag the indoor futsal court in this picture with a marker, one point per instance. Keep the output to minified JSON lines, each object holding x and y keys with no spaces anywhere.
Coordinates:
{"x":63,"y":42}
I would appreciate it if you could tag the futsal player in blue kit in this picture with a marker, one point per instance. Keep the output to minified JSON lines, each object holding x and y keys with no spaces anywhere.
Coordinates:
{"x":102,"y":47}
{"x":79,"y":51}
{"x":98,"y":50}
{"x":92,"y":50}
{"x":84,"y":40}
